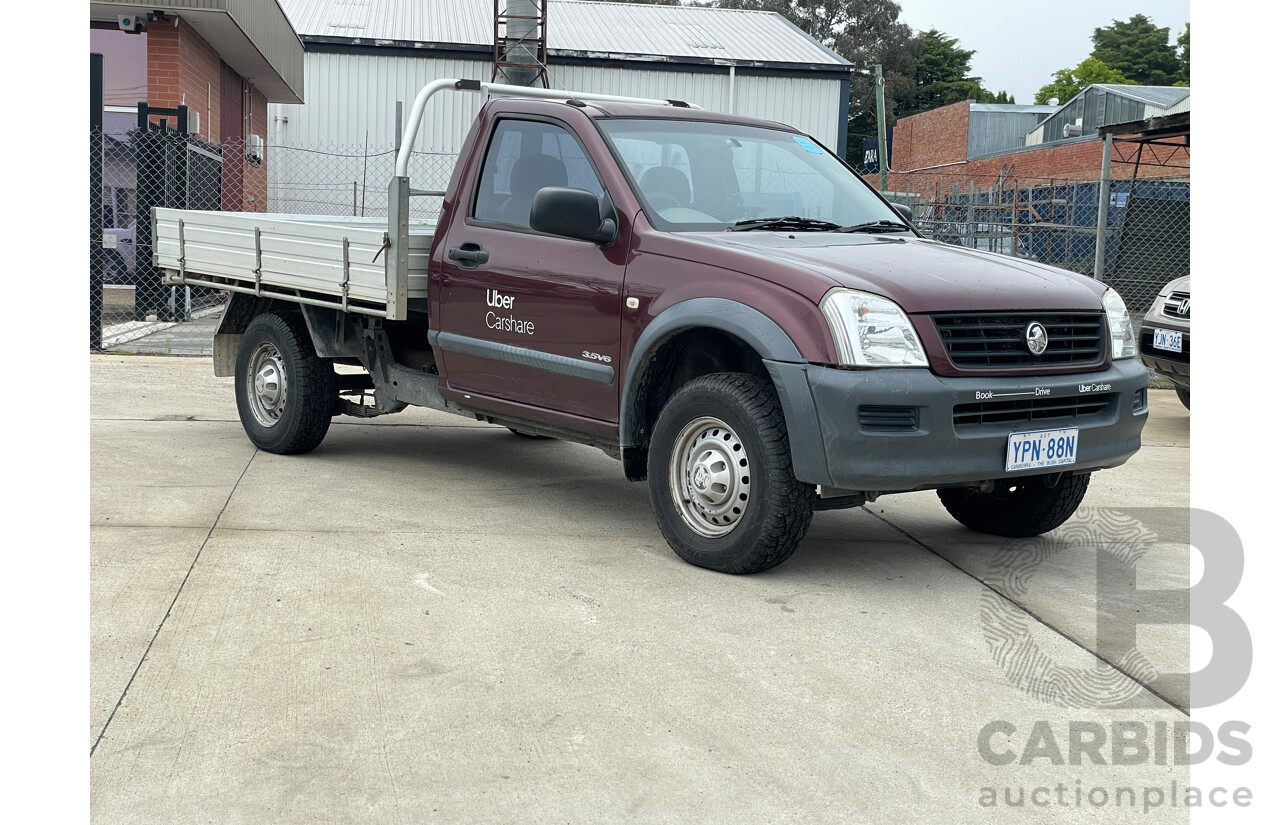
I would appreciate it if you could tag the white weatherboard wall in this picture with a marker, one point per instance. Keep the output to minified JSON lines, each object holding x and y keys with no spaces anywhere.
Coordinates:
{"x":317,"y":162}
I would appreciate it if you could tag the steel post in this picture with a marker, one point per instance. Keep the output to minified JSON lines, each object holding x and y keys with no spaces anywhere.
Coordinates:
{"x":1104,"y":200}
{"x":96,"y":211}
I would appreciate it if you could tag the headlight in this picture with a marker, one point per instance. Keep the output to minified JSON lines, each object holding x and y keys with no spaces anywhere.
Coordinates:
{"x":1123,"y":344}
{"x":870,"y":331}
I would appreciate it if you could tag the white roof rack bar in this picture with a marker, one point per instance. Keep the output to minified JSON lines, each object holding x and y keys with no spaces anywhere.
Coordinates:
{"x":455,"y":85}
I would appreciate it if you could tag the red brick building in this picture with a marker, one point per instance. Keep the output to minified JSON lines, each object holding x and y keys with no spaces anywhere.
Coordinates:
{"x":225,"y":60}
{"x":969,"y":141}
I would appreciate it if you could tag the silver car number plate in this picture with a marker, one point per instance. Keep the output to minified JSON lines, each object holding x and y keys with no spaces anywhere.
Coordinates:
{"x":1167,"y":340}
{"x":1047,"y":448}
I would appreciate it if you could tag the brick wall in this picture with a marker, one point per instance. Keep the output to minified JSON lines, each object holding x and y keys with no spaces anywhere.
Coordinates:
{"x":932,"y":138}
{"x":183,"y":68}
{"x":936,"y":144}
{"x":1081,"y":160}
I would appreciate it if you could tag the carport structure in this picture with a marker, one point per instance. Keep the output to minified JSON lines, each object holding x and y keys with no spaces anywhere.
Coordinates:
{"x":1153,"y":242}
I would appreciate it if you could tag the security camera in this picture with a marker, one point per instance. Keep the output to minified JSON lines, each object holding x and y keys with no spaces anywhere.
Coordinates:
{"x":131,"y":23}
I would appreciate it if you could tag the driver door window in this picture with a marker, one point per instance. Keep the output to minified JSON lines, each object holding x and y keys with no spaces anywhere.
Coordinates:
{"x":525,"y":156}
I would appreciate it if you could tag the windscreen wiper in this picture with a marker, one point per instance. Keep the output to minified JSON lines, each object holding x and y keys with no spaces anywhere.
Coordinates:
{"x":787,"y":224}
{"x":876,"y":226}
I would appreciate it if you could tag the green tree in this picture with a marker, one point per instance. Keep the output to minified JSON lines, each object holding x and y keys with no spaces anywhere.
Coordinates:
{"x":867,"y":33}
{"x":1184,"y":55}
{"x":942,"y":76}
{"x":1139,"y":50}
{"x":1067,"y":83}
{"x":864,"y":32}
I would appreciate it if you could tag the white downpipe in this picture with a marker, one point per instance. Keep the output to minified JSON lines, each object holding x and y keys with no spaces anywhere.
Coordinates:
{"x":453,"y":84}
{"x":732,"y":77}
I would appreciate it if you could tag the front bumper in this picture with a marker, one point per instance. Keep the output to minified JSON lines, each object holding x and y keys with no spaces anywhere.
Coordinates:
{"x":1174,"y":366}
{"x":837,"y":443}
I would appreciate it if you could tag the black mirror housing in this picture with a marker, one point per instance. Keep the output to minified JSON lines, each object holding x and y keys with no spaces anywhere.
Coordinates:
{"x":905,"y":211}
{"x":571,"y":213}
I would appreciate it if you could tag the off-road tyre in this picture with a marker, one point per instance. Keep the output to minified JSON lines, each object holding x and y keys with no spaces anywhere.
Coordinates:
{"x":293,"y":417}
{"x":1184,"y":396}
{"x":776,"y":507}
{"x":1017,"y":508}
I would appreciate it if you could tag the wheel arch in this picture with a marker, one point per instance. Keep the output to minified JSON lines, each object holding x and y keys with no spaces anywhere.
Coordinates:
{"x":323,"y":326}
{"x":706,"y":335}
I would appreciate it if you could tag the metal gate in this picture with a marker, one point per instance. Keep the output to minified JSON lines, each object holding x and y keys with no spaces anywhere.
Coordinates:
{"x":179,"y":171}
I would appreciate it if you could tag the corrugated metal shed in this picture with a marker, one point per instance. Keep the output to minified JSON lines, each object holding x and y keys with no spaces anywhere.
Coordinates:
{"x":335,"y":153}
{"x":351,"y":98}
{"x":573,"y":27}
{"x":1160,"y":96}
{"x":995,"y":128}
{"x":1104,"y":105}
{"x":1000,"y":127}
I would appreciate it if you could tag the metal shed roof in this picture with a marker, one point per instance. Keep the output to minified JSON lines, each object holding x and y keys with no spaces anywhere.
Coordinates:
{"x":1161,"y":96}
{"x":1013,"y":108}
{"x":574,"y":27}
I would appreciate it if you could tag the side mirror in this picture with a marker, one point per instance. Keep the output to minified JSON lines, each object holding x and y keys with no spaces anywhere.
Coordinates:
{"x":905,"y":211}
{"x":571,"y":213}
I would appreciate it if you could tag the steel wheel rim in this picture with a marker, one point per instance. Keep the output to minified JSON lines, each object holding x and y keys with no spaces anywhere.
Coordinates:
{"x":710,"y":477}
{"x":268,"y":385}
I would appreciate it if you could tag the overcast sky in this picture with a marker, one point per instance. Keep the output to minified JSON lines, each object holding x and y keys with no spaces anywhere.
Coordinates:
{"x":1021,"y":43}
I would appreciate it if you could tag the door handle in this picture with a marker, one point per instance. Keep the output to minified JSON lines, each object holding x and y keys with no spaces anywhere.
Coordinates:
{"x":469,"y":255}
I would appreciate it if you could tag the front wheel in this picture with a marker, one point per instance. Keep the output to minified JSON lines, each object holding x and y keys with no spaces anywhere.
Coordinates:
{"x":1017,"y":508}
{"x":720,"y":476}
{"x":285,"y":393}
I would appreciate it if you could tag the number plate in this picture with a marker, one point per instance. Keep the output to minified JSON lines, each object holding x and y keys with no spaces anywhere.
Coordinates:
{"x":1047,"y":448}
{"x":1167,"y":340}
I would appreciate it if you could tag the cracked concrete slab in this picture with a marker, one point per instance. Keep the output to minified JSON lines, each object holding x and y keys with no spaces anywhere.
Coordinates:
{"x":435,"y":623}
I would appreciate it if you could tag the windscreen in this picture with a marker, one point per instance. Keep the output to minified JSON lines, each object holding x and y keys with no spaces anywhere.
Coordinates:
{"x":699,"y":176}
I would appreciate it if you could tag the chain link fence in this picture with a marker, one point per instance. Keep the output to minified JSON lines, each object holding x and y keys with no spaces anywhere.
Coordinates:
{"x":1144,"y":230}
{"x":131,"y":310}
{"x":1145,"y":226}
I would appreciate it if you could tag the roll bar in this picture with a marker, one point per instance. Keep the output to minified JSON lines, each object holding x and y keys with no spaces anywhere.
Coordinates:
{"x":397,"y":242}
{"x":453,"y":84}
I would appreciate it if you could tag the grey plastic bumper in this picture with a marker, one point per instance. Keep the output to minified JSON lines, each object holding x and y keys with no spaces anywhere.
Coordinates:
{"x":829,"y":446}
{"x":1176,"y":370}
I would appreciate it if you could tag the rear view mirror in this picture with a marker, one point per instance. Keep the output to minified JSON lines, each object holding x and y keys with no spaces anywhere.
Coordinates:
{"x":571,"y":213}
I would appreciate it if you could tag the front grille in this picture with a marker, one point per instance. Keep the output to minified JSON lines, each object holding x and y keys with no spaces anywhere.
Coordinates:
{"x":1144,"y":346}
{"x":999,"y":341}
{"x":887,"y":419}
{"x":1019,"y":410}
{"x":1177,"y":305}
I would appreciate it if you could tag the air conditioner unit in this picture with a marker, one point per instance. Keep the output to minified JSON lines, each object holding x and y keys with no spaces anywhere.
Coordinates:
{"x":1073,"y":129}
{"x":193,"y":122}
{"x":254,"y":149}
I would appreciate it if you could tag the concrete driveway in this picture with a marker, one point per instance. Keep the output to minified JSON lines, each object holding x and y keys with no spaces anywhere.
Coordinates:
{"x":432,"y":620}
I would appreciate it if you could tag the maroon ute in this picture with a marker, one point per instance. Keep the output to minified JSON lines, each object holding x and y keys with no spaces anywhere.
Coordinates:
{"x":726,"y":307}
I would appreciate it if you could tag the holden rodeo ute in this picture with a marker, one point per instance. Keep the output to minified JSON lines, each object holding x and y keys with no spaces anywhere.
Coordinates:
{"x":720,"y":303}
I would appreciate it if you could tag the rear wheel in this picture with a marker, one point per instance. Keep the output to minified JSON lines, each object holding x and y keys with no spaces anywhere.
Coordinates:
{"x":720,"y":476}
{"x":1184,"y":395}
{"x":285,"y":393}
{"x":1018,"y":508}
